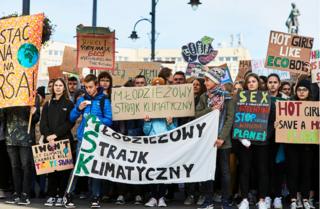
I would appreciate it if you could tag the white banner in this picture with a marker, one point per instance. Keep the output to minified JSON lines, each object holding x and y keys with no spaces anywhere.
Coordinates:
{"x":185,"y":154}
{"x":259,"y":69}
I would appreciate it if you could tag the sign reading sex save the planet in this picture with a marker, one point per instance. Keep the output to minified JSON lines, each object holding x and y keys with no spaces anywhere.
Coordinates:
{"x":20,"y":43}
{"x":297,"y":122}
{"x":289,"y":52}
{"x":251,"y":115}
{"x":96,"y":51}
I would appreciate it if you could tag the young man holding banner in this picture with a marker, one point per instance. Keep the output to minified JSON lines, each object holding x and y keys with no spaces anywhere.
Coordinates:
{"x":90,"y":104}
{"x":217,"y":98}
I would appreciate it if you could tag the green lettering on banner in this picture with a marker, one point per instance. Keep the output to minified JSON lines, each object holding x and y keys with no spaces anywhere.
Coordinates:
{"x":82,"y":164}
{"x":91,"y":141}
{"x":302,"y":136}
{"x":270,"y":60}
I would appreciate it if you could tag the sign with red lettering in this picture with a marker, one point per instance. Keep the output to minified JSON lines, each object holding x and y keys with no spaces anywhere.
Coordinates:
{"x":297,"y":122}
{"x":244,"y":66}
{"x":48,"y":159}
{"x":96,"y":51}
{"x":251,"y":115}
{"x":289,"y":52}
{"x":315,"y":66}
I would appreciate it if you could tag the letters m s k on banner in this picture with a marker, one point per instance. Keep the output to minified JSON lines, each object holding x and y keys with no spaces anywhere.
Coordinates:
{"x":185,"y":154}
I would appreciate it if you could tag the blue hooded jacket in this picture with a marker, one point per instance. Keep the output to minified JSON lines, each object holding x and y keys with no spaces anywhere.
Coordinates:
{"x":92,"y":109}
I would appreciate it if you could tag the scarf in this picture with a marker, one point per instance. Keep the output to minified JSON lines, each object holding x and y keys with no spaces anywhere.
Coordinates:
{"x":216,"y":97}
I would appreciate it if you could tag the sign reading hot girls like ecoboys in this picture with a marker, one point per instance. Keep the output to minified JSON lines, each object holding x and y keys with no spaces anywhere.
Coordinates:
{"x":154,"y":101}
{"x":289,"y":52}
{"x":20,"y":43}
{"x":185,"y":154}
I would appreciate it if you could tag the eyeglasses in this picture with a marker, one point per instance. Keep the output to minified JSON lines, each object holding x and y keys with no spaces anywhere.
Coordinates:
{"x":178,"y":79}
{"x":302,"y":89}
{"x":104,"y":80}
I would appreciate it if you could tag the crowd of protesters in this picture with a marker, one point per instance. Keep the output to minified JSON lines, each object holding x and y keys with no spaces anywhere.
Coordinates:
{"x":248,"y":172}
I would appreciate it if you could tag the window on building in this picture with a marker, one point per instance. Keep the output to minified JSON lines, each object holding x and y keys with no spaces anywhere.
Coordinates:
{"x":125,"y":58}
{"x":221,"y":59}
{"x":50,"y":52}
{"x":56,"y":52}
{"x":145,"y":59}
{"x":228,"y":59}
{"x":179,"y":59}
{"x":173,"y":59}
{"x":234,"y":58}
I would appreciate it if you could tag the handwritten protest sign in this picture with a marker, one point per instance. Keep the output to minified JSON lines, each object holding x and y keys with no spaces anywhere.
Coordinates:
{"x":251,"y":117}
{"x":54,"y":72}
{"x":244,"y":66}
{"x":185,"y":154}
{"x":289,"y":52}
{"x":155,"y":101}
{"x":298,"y":122}
{"x":129,"y":70}
{"x":259,"y":69}
{"x":20,"y":43}
{"x":48,"y":159}
{"x":198,"y":54}
{"x":315,"y":66}
{"x":96,"y":51}
{"x":315,"y":60}
{"x":69,"y":60}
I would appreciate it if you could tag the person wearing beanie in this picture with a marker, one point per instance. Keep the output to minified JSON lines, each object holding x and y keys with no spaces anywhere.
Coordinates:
{"x":299,"y":158}
{"x":216,"y":98}
{"x":156,"y":126}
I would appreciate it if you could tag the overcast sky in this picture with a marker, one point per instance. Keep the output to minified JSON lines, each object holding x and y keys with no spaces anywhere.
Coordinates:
{"x":176,"y":22}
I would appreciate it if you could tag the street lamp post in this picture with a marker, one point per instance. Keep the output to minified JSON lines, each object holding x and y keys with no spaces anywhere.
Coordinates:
{"x":25,"y":7}
{"x":94,"y":22}
{"x":194,"y":4}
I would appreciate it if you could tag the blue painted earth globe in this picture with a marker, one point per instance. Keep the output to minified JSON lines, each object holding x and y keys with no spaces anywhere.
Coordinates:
{"x":28,"y":55}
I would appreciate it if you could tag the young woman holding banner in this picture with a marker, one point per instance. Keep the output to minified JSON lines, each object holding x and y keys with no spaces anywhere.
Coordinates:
{"x":250,"y":152}
{"x":299,"y":157}
{"x":55,"y":125}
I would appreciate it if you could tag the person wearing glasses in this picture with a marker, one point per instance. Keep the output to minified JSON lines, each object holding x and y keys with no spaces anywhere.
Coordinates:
{"x":299,"y":157}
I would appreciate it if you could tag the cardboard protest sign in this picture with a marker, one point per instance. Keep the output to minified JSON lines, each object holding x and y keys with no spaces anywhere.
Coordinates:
{"x":54,"y":72}
{"x":298,"y":122}
{"x":289,"y":52}
{"x":129,"y":70}
{"x":48,"y":159}
{"x":185,"y":154}
{"x":20,"y":43}
{"x":244,"y":66}
{"x":259,"y":69}
{"x":251,"y":115}
{"x":198,"y":54}
{"x":96,"y":51}
{"x":69,"y":60}
{"x":156,"y":101}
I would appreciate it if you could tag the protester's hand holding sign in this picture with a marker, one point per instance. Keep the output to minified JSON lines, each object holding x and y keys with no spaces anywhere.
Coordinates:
{"x":218,"y":143}
{"x":33,"y":110}
{"x":51,"y":139}
{"x":146,"y":118}
{"x":169,"y":120}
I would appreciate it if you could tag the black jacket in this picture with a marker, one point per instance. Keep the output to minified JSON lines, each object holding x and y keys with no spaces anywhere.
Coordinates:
{"x":55,"y":119}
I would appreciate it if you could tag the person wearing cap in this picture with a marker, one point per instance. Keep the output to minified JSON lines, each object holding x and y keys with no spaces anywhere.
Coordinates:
{"x":299,"y":157}
{"x":151,"y":127}
{"x":217,"y":98}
